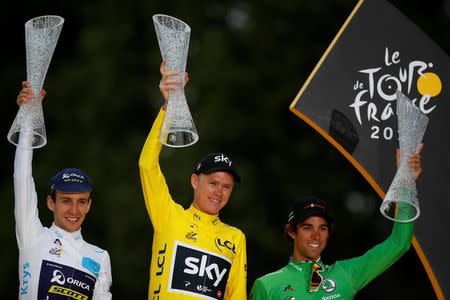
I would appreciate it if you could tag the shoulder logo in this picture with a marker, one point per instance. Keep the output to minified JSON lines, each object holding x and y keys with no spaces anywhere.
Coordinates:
{"x":91,"y":265}
{"x":220,"y":243}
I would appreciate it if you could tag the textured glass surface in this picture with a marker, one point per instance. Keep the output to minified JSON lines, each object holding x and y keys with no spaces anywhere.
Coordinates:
{"x":41,"y":37}
{"x":173,"y":35}
{"x":400,"y":203}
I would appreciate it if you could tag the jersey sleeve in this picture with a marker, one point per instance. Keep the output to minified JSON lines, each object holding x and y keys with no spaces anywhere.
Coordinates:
{"x":102,"y":289}
{"x":365,"y":268}
{"x":258,"y":291}
{"x":237,"y":281}
{"x":158,"y":201}
{"x":28,"y":225}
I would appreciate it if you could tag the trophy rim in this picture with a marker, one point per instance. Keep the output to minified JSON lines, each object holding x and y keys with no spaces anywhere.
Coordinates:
{"x":415,"y":217}
{"x":30,"y":21}
{"x":188,"y":28}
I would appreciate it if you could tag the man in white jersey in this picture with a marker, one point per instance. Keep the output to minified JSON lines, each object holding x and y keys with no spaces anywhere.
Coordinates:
{"x":55,"y":263}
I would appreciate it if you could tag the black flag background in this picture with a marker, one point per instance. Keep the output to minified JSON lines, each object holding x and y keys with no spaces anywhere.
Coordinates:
{"x":349,"y":98}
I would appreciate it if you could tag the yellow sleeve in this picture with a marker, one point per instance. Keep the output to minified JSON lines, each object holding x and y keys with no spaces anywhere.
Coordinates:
{"x":237,"y":281}
{"x":158,"y":201}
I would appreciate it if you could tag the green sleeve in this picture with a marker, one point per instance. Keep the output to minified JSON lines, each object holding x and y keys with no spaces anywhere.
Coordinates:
{"x":258,"y":291}
{"x":363,"y":269}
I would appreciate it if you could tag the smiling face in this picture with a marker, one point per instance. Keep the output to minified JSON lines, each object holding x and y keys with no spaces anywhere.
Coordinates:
{"x":310,"y":238}
{"x":212,"y":191}
{"x":69,"y":209}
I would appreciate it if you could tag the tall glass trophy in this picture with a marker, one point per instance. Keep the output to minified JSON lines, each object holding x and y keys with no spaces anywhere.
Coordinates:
{"x":41,"y":37}
{"x":178,"y":129}
{"x":400,"y":203}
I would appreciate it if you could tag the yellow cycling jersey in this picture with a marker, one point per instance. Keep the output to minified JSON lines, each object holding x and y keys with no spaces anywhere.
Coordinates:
{"x":194,"y":255}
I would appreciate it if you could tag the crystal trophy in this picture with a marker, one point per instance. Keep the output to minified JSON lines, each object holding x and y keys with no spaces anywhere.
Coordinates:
{"x":178,"y":129}
{"x":41,"y":37}
{"x":400,"y":203}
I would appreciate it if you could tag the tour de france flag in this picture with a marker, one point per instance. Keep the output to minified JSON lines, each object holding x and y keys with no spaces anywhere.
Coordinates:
{"x":350,"y":99}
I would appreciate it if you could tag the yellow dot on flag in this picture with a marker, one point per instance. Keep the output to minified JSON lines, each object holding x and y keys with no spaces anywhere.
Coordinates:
{"x":429,"y":84}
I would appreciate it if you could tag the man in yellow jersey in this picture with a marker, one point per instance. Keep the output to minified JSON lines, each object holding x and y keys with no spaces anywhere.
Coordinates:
{"x":194,"y":254}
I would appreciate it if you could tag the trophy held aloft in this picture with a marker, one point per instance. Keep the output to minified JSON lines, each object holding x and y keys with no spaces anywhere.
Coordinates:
{"x":400,"y":203}
{"x":178,"y":129}
{"x":41,"y":37}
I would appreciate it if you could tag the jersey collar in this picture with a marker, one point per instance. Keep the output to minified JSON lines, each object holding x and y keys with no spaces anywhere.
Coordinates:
{"x":303,"y":266}
{"x":63,"y":234}
{"x":203,"y":218}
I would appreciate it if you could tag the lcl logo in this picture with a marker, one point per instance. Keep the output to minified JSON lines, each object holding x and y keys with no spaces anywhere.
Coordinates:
{"x":225,"y":244}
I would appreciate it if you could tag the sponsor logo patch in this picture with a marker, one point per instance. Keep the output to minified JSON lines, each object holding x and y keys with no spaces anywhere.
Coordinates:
{"x":91,"y":265}
{"x":225,"y":244}
{"x":197,"y":217}
{"x":57,"y":280}
{"x":67,"y":292}
{"x":191,"y":235}
{"x":57,"y":250}
{"x":223,"y":158}
{"x":288,"y":288}
{"x":198,"y":272}
{"x":331,"y":297}
{"x":328,"y":285}
{"x":26,"y":275}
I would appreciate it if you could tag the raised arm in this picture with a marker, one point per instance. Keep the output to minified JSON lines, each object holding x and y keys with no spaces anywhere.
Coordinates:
{"x":154,"y":187}
{"x":28,"y":225}
{"x":365,"y":268}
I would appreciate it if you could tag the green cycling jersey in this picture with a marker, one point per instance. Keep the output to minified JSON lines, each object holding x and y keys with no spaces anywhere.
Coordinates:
{"x":341,"y":280}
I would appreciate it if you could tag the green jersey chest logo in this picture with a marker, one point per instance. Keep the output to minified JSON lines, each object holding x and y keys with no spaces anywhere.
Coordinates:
{"x":328,"y":285}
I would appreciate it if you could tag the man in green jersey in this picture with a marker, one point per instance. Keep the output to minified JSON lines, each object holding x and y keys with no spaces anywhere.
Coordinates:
{"x":307,"y":277}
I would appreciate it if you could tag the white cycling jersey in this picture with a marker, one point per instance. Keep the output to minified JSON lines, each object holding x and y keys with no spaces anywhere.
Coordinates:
{"x":53,"y":263}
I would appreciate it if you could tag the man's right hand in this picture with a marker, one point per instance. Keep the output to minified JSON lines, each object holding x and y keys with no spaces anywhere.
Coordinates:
{"x":414,"y":161}
{"x":167,"y":82}
{"x":26,"y":94}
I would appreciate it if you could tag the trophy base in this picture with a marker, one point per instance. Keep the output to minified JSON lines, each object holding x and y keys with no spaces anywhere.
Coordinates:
{"x":399,"y":211}
{"x":180,"y":138}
